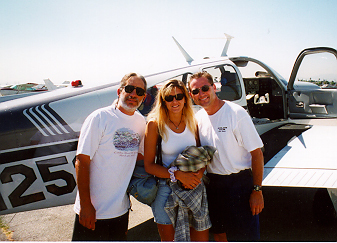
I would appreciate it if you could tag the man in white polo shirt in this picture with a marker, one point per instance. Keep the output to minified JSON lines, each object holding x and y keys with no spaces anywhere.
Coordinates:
{"x":109,"y":144}
{"x":234,"y":193}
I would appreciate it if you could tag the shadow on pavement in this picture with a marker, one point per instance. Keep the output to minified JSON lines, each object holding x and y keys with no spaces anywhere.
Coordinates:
{"x":288,"y":216}
{"x":146,"y":231}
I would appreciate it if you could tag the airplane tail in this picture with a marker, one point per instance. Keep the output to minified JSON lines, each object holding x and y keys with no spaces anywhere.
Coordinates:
{"x":188,"y":58}
{"x":49,"y":84}
{"x":224,"y":51}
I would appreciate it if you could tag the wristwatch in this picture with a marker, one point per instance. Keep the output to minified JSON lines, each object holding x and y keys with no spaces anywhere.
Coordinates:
{"x":257,"y":188}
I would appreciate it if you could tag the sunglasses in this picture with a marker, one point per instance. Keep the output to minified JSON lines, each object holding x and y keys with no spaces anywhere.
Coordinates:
{"x":169,"y":98}
{"x":130,"y":88}
{"x":204,"y":88}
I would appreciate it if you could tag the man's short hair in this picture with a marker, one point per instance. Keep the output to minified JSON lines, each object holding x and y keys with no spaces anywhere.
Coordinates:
{"x":199,"y":75}
{"x":129,"y":75}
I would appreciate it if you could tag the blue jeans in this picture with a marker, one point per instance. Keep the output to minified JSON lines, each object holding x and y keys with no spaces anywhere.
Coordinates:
{"x":160,"y":216}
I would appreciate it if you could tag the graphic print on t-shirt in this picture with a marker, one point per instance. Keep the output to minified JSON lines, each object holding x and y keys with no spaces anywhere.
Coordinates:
{"x":126,"y":140}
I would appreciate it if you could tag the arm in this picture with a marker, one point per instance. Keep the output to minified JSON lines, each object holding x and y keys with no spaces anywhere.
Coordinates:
{"x":150,"y":147}
{"x":256,"y":198}
{"x":87,"y":214}
{"x":200,"y":173}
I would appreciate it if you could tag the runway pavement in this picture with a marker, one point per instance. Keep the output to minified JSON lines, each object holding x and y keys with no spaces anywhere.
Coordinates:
{"x":56,"y":224}
{"x":287,"y":217}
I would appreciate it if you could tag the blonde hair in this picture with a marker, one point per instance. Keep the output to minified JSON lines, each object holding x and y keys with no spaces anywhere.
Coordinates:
{"x":159,"y":112}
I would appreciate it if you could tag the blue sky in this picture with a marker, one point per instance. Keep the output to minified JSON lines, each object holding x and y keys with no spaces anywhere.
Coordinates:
{"x":98,"y":41}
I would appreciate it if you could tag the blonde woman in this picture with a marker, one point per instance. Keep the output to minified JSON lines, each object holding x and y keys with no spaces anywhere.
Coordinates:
{"x":173,"y":119}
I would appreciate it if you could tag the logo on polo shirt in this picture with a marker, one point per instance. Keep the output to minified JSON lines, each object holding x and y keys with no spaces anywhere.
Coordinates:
{"x":222,"y":129}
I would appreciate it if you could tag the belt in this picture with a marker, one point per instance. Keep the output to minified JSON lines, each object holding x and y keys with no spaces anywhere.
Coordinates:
{"x":240,"y":173}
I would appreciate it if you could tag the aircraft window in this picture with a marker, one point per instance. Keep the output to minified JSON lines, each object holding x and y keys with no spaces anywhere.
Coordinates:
{"x":319,"y":69}
{"x":184,"y":77}
{"x":152,"y":91}
{"x":252,"y":70}
{"x":226,"y":81}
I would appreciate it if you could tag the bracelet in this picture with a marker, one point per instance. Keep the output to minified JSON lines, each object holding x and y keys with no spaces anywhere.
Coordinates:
{"x":171,"y":171}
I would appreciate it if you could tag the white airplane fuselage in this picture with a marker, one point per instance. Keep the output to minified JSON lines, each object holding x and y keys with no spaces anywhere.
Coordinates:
{"x":39,"y":134}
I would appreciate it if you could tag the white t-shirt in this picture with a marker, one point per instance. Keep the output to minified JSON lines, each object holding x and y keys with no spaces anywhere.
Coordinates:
{"x":175,"y":144}
{"x":112,"y":139}
{"x":232,"y":132}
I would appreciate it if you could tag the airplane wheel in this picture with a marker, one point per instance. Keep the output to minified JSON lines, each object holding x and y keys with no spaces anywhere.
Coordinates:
{"x":324,"y":211}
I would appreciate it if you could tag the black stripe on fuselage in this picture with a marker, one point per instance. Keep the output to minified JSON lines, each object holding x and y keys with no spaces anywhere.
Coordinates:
{"x":24,"y":154}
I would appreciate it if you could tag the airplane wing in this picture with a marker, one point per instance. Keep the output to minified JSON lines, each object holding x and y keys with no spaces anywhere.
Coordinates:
{"x":308,"y":159}
{"x":17,"y":96}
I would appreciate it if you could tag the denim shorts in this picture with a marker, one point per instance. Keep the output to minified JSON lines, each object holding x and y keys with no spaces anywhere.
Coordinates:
{"x":159,"y":213}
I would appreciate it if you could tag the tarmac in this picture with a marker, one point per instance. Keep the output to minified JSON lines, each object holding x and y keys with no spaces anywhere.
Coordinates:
{"x":287,"y":217}
{"x":56,"y":224}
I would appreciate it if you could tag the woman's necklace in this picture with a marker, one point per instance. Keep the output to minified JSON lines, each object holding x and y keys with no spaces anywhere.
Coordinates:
{"x":177,"y":127}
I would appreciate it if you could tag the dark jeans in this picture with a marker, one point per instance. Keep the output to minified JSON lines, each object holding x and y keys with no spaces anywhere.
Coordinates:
{"x":229,"y":209}
{"x":114,"y":229}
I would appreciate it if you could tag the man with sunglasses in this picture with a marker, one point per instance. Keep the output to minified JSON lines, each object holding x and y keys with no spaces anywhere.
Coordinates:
{"x":234,"y":193}
{"x":110,"y":142}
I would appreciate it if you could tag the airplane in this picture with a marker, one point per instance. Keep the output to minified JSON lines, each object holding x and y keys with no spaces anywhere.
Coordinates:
{"x":25,"y":90}
{"x":51,"y":86}
{"x":22,"y":88}
{"x":297,"y":122}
